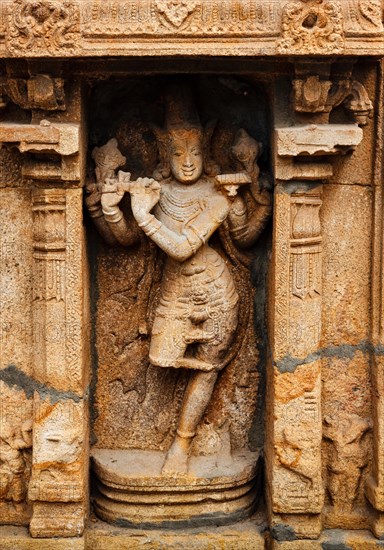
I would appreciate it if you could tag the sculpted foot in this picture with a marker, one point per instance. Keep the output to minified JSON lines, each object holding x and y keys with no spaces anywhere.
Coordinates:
{"x":176,"y":461}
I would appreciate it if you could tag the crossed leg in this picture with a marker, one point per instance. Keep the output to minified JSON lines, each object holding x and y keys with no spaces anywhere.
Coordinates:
{"x":198,"y":395}
{"x":168,"y":346}
{"x":196,"y":398}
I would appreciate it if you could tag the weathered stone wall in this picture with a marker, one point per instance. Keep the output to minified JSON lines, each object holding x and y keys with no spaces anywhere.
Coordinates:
{"x":306,"y":386}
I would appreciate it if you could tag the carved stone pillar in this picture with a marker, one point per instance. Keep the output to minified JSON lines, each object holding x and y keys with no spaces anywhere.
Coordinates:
{"x":51,"y":159}
{"x":303,"y":152}
{"x":375,"y":485}
{"x":58,"y":484}
{"x":296,"y":484}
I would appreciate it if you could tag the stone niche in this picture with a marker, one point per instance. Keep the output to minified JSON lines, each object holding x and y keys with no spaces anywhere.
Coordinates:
{"x":191,"y":274}
{"x":137,"y":403}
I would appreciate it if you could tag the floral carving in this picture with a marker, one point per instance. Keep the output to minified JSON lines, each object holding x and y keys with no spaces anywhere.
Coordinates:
{"x":176,"y":11}
{"x":371,"y":11}
{"x":39,"y":25}
{"x":312,"y":27}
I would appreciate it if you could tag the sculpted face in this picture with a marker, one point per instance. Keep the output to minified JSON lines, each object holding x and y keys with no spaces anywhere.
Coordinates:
{"x":186,"y":157}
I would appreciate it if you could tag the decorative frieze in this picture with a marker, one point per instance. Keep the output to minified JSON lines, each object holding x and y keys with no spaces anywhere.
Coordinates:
{"x":189,"y":18}
{"x":32,"y":28}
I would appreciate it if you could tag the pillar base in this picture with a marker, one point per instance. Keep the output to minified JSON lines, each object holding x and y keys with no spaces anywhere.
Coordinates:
{"x":57,"y":519}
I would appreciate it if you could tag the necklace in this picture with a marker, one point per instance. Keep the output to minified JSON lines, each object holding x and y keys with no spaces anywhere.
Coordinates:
{"x":179,"y":205}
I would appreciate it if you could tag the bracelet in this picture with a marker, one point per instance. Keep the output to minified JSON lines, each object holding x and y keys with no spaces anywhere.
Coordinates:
{"x":113,"y":215}
{"x":151,"y":225}
{"x":95,"y":211}
{"x":185,"y":435}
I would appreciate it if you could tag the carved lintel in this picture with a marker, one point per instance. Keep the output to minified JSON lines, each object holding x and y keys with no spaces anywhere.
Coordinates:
{"x":40,"y":91}
{"x":74,"y":28}
{"x":46,"y":137}
{"x":60,"y":143}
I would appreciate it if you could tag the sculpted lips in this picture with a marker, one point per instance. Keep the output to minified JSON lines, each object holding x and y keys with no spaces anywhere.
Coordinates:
{"x":189,"y":171}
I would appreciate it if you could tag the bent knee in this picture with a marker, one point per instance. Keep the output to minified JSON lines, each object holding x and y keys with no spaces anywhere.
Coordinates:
{"x":159,"y":360}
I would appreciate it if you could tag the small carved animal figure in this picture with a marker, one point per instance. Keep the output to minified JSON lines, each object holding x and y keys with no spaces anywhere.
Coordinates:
{"x":348,"y":456}
{"x":246,"y":150}
{"x":14,"y":466}
{"x":107,"y":159}
{"x":296,"y":453}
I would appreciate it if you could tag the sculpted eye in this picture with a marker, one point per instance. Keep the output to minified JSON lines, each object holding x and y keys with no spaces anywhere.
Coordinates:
{"x":177,"y":153}
{"x":196,"y":152}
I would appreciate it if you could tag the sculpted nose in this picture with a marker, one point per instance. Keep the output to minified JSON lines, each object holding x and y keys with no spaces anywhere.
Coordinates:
{"x":188,"y":161}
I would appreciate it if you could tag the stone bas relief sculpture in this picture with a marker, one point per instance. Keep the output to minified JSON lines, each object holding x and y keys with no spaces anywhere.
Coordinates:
{"x":198,"y":312}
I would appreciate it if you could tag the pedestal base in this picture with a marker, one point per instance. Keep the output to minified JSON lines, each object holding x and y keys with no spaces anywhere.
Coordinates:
{"x":132,"y":492}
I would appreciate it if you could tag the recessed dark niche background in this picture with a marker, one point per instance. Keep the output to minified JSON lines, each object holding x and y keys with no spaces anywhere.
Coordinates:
{"x":136,"y":405}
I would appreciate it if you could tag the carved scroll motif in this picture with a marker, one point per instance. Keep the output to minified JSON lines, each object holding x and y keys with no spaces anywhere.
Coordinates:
{"x":51,"y":26}
{"x":312,"y":27}
{"x":363,"y":16}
